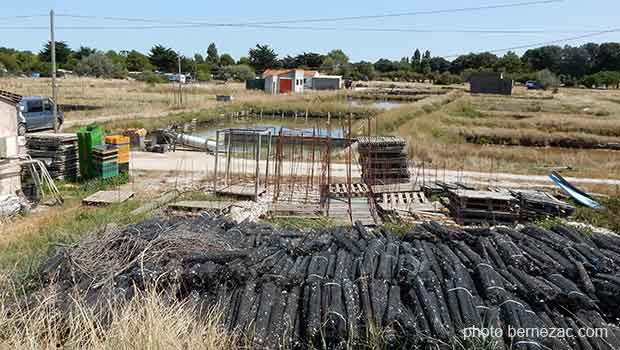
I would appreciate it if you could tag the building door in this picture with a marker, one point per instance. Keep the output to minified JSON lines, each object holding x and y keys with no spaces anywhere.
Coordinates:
{"x":286,"y":85}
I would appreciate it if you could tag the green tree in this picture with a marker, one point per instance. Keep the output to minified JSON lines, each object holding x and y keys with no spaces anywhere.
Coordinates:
{"x":138,"y":62}
{"x":244,"y":60}
{"x":63,"y":53}
{"x":203,"y":71}
{"x":164,"y":59}
{"x":263,"y":57}
{"x":239,"y":72}
{"x":99,"y":65}
{"x":212,"y":55}
{"x":384,"y":65}
{"x":199,"y":58}
{"x":546,"y":57}
{"x":510,"y":63}
{"x":227,"y":60}
{"x":9,"y":62}
{"x":366,"y":70}
{"x":309,"y":60}
{"x":439,"y":64}
{"x":119,"y":58}
{"x":473,"y":61}
{"x":574,"y":61}
{"x":339,"y":58}
{"x":547,"y":79}
{"x":416,"y":59}
{"x":83,"y":51}
{"x":608,"y":57}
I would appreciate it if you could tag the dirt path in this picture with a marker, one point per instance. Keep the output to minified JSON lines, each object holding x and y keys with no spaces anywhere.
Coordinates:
{"x":198,"y":164}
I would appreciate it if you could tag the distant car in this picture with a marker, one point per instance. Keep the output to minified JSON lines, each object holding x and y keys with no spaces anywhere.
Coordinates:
{"x":532,"y":85}
{"x":35,"y":113}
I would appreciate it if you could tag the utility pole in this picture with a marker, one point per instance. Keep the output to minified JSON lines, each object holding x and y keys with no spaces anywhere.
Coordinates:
{"x":180,"y":83}
{"x":53,"y":53}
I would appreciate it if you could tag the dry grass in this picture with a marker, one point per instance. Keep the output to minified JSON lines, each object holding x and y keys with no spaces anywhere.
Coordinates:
{"x":436,"y":132}
{"x":86,"y":98}
{"x":149,"y":321}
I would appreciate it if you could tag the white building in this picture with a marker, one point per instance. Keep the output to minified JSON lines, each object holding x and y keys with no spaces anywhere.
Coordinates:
{"x":284,"y":81}
{"x":10,"y":178}
{"x":308,"y":76}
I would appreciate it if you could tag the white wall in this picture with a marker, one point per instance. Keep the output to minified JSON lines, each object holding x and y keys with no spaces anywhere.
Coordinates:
{"x":271,"y":85}
{"x":299,"y":81}
{"x":10,"y":180}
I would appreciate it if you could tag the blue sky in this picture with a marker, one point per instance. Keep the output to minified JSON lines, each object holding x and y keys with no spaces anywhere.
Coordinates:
{"x":569,"y":15}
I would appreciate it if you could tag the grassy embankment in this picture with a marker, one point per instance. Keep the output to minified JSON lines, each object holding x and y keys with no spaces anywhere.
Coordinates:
{"x":436,"y":131}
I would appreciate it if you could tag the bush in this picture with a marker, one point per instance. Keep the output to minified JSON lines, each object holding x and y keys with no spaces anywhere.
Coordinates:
{"x":448,"y":79}
{"x":605,"y":78}
{"x":151,"y":78}
{"x":100,"y":66}
{"x":239,"y":72}
{"x":547,"y":79}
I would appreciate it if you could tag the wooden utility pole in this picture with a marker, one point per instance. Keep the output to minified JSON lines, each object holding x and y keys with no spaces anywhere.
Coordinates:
{"x":53,"y":54}
{"x":180,"y":83}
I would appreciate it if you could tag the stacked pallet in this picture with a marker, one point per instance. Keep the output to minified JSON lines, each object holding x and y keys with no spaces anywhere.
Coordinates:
{"x":540,"y":204}
{"x":59,"y":152}
{"x":482,"y":207}
{"x":105,"y":161}
{"x":383,"y":160}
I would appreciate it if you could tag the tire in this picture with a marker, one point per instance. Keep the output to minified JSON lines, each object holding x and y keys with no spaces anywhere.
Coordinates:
{"x":21,"y":129}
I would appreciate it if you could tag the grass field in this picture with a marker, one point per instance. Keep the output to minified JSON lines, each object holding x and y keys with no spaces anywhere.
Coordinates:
{"x":514,"y":134}
{"x":526,"y":133}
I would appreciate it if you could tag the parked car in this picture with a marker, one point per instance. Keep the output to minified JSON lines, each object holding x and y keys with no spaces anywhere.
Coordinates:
{"x":35,"y":113}
{"x":532,"y":85}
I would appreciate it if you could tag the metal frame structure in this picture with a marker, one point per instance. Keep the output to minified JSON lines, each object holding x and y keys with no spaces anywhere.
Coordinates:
{"x":229,"y":137}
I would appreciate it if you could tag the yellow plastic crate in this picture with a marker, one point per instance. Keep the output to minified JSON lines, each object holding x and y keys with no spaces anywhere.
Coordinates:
{"x":117,"y":140}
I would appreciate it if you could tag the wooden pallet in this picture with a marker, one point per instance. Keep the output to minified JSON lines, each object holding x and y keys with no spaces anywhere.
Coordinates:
{"x":480,"y":207}
{"x":403,"y":201}
{"x":341,"y":190}
{"x":107,"y":197}
{"x":199,"y":206}
{"x":247,"y":191}
{"x":361,"y":211}
{"x":484,"y":200}
{"x":290,"y":209}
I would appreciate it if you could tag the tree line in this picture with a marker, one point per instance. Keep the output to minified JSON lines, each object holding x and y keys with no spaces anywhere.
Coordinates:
{"x":591,"y":64}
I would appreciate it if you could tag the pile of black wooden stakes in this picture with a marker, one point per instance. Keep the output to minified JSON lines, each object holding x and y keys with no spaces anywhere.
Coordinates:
{"x":293,"y":289}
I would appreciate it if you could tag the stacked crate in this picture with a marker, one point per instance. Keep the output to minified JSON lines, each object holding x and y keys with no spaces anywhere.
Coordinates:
{"x":122,"y":143}
{"x":105,"y":160}
{"x":89,"y":137}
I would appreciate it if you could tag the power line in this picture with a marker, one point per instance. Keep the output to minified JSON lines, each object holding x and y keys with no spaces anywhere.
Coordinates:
{"x":7,"y":18}
{"x":528,"y":46}
{"x":309,"y":28}
{"x":329,"y":19}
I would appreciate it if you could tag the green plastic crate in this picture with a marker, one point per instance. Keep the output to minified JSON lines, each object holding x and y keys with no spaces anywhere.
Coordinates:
{"x":88,"y":138}
{"x":106,"y":170}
